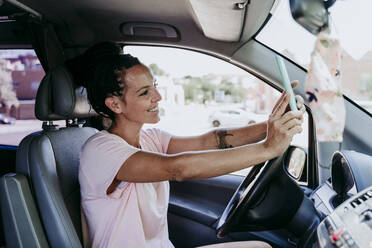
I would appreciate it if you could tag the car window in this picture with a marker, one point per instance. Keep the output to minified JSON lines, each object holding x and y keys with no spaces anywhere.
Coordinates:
{"x":201,"y":92}
{"x":20,"y":76}
{"x":234,"y":113}
{"x":353,"y":33}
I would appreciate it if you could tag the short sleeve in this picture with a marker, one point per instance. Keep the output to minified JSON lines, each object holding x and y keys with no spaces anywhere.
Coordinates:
{"x":100,"y":160}
{"x":159,"y":138}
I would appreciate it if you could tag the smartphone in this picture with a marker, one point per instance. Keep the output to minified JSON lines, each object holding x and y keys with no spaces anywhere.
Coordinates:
{"x":286,"y":82}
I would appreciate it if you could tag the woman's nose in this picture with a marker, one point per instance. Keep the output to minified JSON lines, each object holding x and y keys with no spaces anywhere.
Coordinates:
{"x":157,"y":96}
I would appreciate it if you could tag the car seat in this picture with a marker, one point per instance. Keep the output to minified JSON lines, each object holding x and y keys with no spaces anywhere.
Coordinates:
{"x":47,"y":170}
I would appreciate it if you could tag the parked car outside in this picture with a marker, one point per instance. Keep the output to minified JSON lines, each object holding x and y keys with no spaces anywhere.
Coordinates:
{"x":7,"y":120}
{"x":234,"y":117}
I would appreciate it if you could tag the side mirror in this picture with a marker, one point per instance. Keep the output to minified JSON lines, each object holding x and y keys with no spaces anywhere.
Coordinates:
{"x":295,"y":162}
{"x":311,"y":14}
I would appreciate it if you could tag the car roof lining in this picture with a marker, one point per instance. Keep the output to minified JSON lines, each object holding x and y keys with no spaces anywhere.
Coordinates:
{"x":79,"y":24}
{"x":85,"y":22}
{"x":9,"y":7}
{"x":15,"y":34}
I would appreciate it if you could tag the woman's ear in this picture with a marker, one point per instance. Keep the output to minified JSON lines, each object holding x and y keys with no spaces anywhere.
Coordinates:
{"x":113,"y":104}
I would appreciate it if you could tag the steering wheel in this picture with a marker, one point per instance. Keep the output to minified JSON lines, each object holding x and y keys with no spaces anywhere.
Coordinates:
{"x":267,"y":199}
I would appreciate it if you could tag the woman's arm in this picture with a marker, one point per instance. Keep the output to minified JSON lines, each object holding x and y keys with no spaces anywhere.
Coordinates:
{"x":151,"y":167}
{"x":219,"y":139}
{"x":228,"y":138}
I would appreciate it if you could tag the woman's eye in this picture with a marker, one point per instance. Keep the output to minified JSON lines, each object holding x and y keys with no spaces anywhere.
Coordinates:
{"x":144,"y":93}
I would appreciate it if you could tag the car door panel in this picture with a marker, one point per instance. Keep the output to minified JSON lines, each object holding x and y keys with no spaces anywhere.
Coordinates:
{"x":202,"y":200}
{"x":196,"y":205}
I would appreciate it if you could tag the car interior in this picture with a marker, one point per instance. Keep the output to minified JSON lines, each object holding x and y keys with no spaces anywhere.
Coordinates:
{"x":39,"y":189}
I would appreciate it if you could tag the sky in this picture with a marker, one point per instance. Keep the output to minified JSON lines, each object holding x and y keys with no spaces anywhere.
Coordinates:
{"x":180,"y":62}
{"x":353,"y":20}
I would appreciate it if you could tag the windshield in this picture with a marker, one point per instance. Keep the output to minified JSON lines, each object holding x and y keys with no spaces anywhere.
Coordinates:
{"x":350,"y":21}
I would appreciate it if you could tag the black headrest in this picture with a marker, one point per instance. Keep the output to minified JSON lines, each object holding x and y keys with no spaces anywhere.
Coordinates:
{"x":58,"y":98}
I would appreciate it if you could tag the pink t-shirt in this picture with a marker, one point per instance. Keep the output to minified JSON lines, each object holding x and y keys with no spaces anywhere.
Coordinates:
{"x":135,"y":214}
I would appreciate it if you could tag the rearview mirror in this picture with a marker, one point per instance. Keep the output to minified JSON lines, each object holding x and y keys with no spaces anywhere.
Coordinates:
{"x":311,"y":14}
{"x":295,"y":162}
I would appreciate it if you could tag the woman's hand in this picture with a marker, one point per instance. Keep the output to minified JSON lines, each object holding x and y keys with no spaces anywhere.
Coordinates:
{"x":300,"y":103}
{"x":282,"y":125}
{"x":299,"y":100}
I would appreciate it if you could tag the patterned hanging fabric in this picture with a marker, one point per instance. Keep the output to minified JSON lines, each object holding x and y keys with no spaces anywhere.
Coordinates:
{"x":323,"y":88}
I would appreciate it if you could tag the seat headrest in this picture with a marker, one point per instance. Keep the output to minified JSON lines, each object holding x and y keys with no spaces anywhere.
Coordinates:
{"x":58,"y":98}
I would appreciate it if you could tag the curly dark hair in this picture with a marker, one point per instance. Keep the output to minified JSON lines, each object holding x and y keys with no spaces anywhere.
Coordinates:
{"x":80,"y":64}
{"x":104,"y":80}
{"x":99,"y":70}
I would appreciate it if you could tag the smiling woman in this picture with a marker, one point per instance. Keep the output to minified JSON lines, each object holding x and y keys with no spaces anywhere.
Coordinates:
{"x":200,"y":92}
{"x":138,"y":99}
{"x":114,"y":163}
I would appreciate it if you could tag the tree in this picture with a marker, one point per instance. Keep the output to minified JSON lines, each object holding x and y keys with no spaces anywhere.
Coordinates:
{"x":8,"y":97}
{"x":198,"y":89}
{"x":156,"y":70}
{"x":236,"y":92}
{"x":203,"y":89}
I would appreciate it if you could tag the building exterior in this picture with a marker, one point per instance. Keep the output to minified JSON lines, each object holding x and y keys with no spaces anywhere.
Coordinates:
{"x":26,"y":75}
{"x":172,"y":94}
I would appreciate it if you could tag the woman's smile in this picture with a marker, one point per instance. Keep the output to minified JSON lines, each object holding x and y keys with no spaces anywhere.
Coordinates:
{"x":156,"y":109}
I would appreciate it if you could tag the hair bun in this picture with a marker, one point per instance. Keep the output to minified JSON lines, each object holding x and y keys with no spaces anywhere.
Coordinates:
{"x":81,"y":66}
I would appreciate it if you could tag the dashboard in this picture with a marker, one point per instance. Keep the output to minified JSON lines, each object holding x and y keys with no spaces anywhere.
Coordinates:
{"x":350,"y":225}
{"x":351,"y":172}
{"x":345,"y":201}
{"x":322,"y":198}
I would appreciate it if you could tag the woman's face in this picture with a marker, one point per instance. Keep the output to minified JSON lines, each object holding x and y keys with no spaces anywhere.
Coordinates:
{"x":141,"y":96}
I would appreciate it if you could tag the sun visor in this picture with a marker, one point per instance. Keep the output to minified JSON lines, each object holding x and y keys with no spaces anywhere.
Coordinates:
{"x":220,"y":19}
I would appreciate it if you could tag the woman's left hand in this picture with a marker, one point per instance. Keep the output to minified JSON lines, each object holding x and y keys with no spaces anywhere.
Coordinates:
{"x":300,"y":103}
{"x":299,"y":100}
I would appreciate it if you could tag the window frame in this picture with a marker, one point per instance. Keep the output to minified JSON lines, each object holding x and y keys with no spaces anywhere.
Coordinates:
{"x":311,"y":176}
